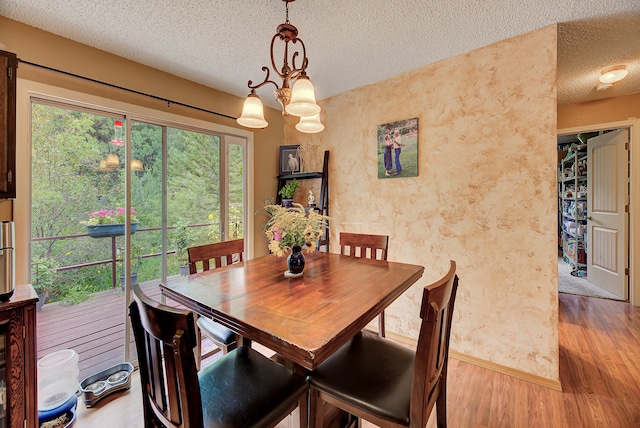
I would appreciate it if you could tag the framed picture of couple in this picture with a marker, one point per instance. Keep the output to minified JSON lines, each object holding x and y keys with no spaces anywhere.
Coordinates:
{"x":397,"y":144}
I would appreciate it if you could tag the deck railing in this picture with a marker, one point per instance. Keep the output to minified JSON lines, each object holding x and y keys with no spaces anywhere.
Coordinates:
{"x":114,"y":251}
{"x":94,"y":328}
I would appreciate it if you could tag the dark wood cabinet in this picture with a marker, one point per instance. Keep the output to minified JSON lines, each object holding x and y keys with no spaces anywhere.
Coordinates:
{"x":19,"y":406}
{"x":8,"y":67}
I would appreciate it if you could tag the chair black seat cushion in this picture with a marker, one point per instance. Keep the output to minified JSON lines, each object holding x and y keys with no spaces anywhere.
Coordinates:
{"x":346,"y":376}
{"x":218,"y":331}
{"x":231,"y":387}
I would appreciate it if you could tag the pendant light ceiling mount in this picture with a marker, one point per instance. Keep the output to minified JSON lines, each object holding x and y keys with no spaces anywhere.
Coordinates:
{"x":299,"y":100}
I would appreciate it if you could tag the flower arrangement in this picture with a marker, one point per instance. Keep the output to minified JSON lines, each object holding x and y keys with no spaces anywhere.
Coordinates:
{"x":111,"y":216}
{"x":289,"y":227}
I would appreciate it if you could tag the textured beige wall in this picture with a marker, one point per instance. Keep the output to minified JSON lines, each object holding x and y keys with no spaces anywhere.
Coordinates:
{"x":40,"y":47}
{"x":485,"y":195}
{"x":607,"y":110}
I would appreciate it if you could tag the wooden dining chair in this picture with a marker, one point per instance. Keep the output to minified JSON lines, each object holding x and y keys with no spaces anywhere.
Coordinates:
{"x":211,"y":256}
{"x":386,"y":383}
{"x":241,"y":389}
{"x":367,"y":246}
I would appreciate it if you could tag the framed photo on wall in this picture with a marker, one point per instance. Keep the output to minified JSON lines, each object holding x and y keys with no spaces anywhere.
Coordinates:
{"x":397,"y":146}
{"x":290,"y":162}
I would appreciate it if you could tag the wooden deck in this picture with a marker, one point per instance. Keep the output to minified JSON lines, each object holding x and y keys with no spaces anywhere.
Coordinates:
{"x":93,"y":328}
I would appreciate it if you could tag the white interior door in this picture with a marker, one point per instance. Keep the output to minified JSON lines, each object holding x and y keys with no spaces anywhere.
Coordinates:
{"x":607,"y":175}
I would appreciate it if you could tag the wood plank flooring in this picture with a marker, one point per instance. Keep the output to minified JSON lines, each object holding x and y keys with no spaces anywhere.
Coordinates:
{"x":93,"y":328}
{"x":599,"y":371}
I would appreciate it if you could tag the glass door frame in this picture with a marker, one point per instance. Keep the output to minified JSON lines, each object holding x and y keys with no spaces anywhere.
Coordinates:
{"x":224,"y":195}
{"x":225,"y":220}
{"x":30,"y":92}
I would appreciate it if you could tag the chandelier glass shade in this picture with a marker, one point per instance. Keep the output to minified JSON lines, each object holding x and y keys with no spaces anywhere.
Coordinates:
{"x":303,"y":98}
{"x":297,"y":101}
{"x":310,"y":124}
{"x":252,"y":113}
{"x":110,"y":162}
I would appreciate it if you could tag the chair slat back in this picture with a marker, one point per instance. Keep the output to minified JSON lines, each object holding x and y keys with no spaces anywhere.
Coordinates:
{"x":362,"y":245}
{"x":215,"y":255}
{"x":165,"y":338}
{"x":430,"y":366}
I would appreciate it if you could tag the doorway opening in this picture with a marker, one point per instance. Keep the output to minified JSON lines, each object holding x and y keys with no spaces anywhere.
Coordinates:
{"x":593,"y":213}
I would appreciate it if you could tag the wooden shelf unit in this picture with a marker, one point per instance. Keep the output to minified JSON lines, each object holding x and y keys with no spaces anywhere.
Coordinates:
{"x":323,"y":201}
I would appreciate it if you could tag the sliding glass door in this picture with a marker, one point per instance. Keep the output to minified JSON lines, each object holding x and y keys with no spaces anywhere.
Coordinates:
{"x":233,"y":218}
{"x":181,"y":186}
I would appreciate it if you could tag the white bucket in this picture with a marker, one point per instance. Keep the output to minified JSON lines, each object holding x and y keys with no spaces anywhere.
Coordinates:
{"x":57,"y":378}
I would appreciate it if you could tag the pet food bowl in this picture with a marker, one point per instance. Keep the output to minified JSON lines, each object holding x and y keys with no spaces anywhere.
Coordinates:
{"x":97,"y":386}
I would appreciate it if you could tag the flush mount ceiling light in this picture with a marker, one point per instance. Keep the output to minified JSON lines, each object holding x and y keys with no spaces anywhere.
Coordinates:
{"x":297,"y":101}
{"x":613,"y":74}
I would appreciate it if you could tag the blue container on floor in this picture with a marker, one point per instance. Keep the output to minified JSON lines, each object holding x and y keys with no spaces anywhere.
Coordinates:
{"x":67,"y":406}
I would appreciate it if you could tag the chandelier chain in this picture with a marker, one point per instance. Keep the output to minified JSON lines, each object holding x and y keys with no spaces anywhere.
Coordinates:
{"x":287,"y":11}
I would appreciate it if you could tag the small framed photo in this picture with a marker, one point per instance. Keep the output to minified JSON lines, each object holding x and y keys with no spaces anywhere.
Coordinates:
{"x":397,"y":146}
{"x":290,"y":161}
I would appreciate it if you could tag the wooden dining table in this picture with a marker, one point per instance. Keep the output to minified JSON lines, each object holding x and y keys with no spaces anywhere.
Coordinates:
{"x":303,"y":319}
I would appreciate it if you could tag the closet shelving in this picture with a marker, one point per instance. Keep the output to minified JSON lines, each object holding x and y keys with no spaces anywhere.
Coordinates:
{"x":573,"y":202}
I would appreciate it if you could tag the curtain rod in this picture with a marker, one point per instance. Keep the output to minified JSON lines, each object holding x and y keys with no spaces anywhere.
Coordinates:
{"x":155,"y":97}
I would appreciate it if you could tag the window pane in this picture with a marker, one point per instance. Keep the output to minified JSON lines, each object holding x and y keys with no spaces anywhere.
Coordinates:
{"x":236,"y":191}
{"x":146,"y":200}
{"x":193,"y":187}
{"x":79,"y":167}
{"x":76,"y":169}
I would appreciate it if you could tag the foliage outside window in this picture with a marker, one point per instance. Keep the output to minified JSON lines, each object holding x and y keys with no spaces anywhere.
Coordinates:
{"x":44,"y":275}
{"x":67,"y":183}
{"x":183,"y":240}
{"x":136,"y":258}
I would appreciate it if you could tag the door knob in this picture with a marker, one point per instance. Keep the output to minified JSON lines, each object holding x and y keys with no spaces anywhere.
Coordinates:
{"x":589,"y":217}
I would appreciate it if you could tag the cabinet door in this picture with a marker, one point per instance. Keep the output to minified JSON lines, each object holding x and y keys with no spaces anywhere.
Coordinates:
{"x":8,"y":66}
{"x":12,"y":387}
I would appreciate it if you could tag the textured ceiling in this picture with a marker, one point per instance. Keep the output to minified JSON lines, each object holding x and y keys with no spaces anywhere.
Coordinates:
{"x":587,"y":47}
{"x":350,"y":43}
